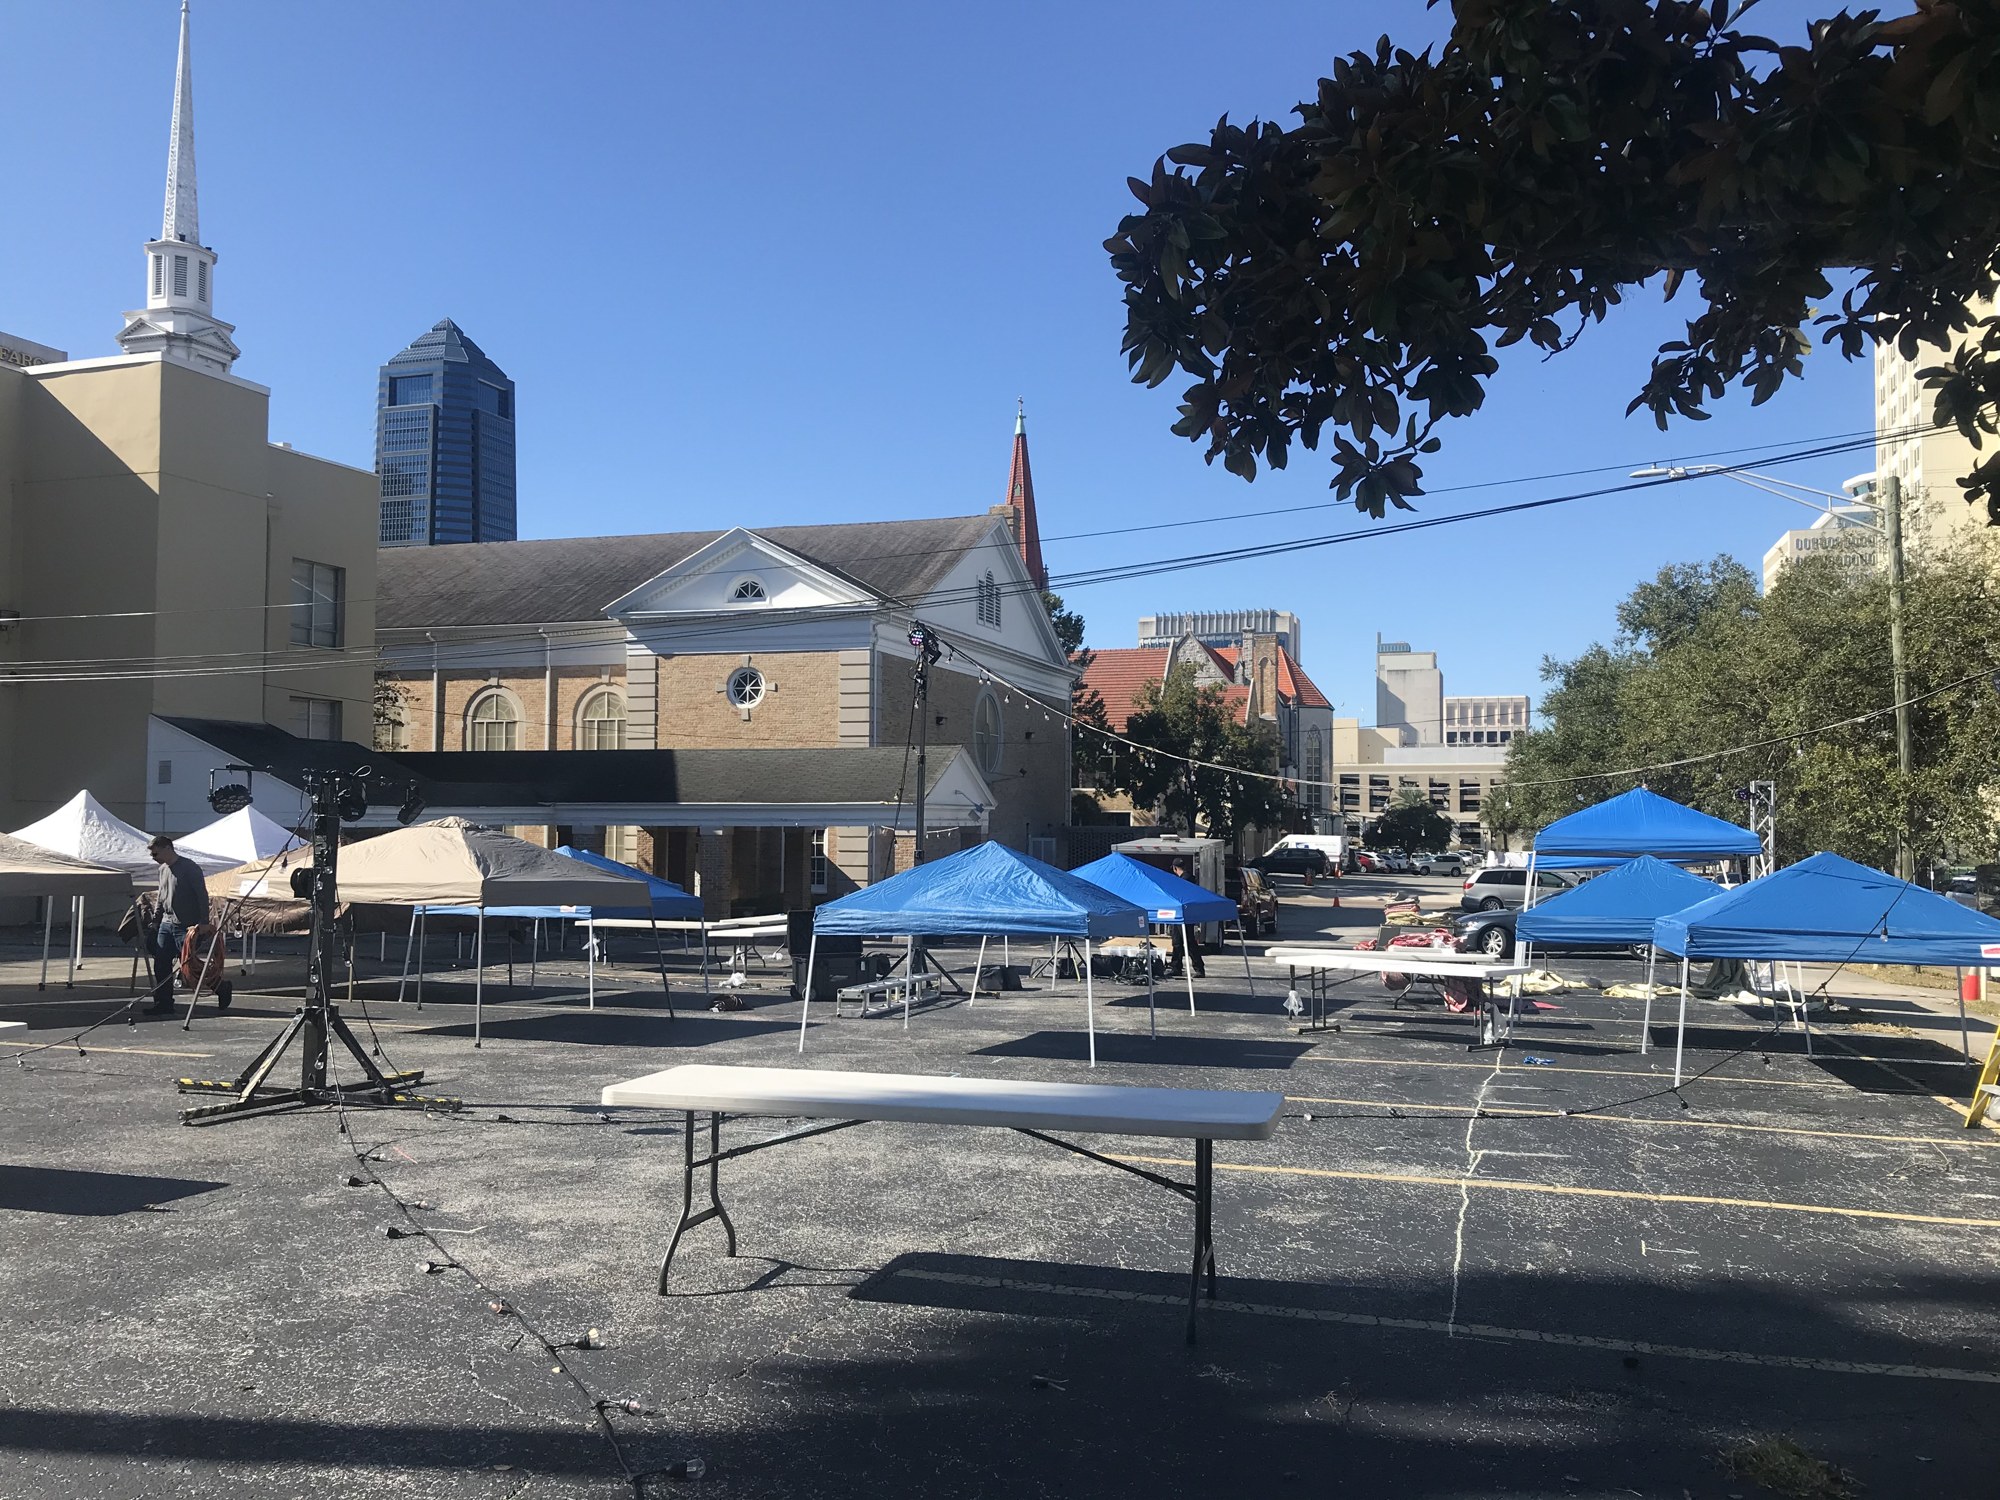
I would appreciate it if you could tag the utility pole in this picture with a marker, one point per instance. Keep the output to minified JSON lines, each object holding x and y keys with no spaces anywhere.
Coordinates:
{"x":926,"y":646}
{"x":1892,"y":525}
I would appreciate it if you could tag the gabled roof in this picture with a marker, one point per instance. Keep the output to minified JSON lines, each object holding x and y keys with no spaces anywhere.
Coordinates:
{"x":1294,"y":684}
{"x":569,"y":579}
{"x":1117,"y":675}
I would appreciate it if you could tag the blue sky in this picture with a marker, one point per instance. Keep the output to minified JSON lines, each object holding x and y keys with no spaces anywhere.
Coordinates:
{"x":784,"y":263}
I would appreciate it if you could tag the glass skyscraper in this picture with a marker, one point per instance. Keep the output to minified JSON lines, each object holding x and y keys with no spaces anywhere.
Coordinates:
{"x":444,"y":443}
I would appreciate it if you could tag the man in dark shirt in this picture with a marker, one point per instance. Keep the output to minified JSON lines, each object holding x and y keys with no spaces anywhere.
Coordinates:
{"x":183,"y":906}
{"x":1187,"y":947}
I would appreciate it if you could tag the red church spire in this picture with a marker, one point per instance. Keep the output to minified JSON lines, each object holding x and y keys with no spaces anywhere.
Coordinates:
{"x":1021,"y":501}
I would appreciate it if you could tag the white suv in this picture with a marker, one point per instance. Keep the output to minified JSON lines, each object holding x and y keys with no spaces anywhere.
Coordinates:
{"x":1440,"y":864}
{"x":1490,"y":890}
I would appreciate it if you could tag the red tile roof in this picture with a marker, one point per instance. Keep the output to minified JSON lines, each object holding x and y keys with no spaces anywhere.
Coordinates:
{"x":1237,"y":698}
{"x":1295,"y":685}
{"x":1118,"y":674}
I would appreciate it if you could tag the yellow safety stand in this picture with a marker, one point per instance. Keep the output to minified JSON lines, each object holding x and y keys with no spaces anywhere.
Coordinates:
{"x":1989,"y":1076}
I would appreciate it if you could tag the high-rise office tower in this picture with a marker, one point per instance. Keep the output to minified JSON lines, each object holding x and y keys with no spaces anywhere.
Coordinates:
{"x":444,"y":444}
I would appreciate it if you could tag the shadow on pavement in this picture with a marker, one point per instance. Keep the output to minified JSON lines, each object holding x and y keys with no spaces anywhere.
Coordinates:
{"x":58,"y":1190}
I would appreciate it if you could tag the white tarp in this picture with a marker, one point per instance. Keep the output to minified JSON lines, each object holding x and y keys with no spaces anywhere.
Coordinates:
{"x":243,"y":836}
{"x":453,"y":862}
{"x":83,"y":828}
{"x":29,"y":870}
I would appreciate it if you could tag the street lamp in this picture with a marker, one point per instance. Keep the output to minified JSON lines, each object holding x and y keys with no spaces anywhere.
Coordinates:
{"x":1891,"y":531}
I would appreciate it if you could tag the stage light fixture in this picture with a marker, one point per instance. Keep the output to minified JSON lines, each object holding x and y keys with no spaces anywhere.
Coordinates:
{"x":302,"y":882}
{"x":231,"y":796}
{"x":412,"y":808}
{"x":351,"y":802}
{"x":925,"y":642}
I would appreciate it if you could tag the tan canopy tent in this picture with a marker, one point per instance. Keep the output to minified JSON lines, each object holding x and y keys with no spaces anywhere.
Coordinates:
{"x":456,"y":865}
{"x":29,"y":870}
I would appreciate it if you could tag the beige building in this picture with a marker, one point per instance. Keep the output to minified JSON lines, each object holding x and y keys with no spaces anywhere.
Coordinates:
{"x":1929,"y":461}
{"x":1370,"y":767}
{"x":160,"y":556}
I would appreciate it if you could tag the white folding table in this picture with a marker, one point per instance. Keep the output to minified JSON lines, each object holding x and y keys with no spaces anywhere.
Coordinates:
{"x":1425,"y":965}
{"x":1203,"y":1116}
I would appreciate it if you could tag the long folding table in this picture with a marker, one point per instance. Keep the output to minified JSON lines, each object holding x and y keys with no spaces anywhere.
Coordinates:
{"x":1425,"y":966}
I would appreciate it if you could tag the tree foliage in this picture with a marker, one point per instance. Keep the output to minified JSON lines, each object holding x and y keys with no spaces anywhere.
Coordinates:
{"x":1411,"y":823}
{"x":1360,"y":270}
{"x":1087,"y":751}
{"x":1181,"y":718}
{"x":1715,"y":667}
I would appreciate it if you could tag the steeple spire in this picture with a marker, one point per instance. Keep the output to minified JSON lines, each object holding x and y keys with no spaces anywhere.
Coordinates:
{"x":182,"y":222}
{"x":177,"y":320}
{"x":1021,"y":503}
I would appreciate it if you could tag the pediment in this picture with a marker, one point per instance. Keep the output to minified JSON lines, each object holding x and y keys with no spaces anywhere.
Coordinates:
{"x":739,"y":571}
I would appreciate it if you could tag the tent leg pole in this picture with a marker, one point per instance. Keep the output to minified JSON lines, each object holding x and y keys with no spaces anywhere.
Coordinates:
{"x":1680,"y":1032}
{"x":1089,"y":1003}
{"x":1965,"y":1037}
{"x":805,"y":990}
{"x":534,"y":955}
{"x":909,"y":976}
{"x":409,"y":942}
{"x":1243,"y":943}
{"x":479,"y":980}
{"x":48,"y":927}
{"x":704,"y":957}
{"x":1646,"y":1022}
{"x":75,"y":940}
{"x":590,"y":958}
{"x":423,"y":941}
{"x":1152,"y":1011}
{"x":977,"y":964}
{"x":660,"y":957}
{"x":1187,"y":968}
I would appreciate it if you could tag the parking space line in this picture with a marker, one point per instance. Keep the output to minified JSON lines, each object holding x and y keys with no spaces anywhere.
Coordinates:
{"x":132,"y":1051}
{"x":1596,"y":1119}
{"x":1564,"y":1070}
{"x":1466,"y":1330}
{"x":1517,"y":1185}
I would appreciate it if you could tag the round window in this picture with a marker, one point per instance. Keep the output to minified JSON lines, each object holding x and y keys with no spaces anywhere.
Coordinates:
{"x":746,"y":687}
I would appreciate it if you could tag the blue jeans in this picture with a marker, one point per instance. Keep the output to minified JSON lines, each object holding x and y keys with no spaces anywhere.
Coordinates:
{"x":166,"y":957}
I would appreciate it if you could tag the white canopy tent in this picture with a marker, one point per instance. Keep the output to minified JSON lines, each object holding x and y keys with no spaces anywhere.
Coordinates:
{"x":243,"y":836}
{"x":84,"y":828}
{"x":29,"y":870}
{"x":454,"y":862}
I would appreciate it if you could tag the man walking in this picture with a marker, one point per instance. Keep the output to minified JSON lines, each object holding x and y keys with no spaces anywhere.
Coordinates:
{"x":183,"y":907}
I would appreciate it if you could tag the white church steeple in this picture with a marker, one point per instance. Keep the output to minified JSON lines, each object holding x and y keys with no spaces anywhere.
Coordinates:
{"x":177,"y":319}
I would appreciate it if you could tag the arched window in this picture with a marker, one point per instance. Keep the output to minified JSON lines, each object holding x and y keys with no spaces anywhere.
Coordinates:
{"x":493,"y":722}
{"x":748,"y":591}
{"x":988,"y":737}
{"x":600,"y":723}
{"x":989,"y":601}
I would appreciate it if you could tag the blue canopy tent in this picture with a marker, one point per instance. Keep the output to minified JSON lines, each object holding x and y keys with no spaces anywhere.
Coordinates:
{"x":989,"y":889}
{"x":1828,"y":910}
{"x":669,"y":903}
{"x":1168,"y":900}
{"x":1620,"y":906}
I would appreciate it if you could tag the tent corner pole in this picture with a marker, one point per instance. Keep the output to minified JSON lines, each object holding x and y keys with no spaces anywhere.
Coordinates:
{"x":660,"y":957}
{"x":1680,"y":1031}
{"x":590,"y":958}
{"x":75,"y":940}
{"x":704,"y":953}
{"x":978,"y":964}
{"x":48,"y":929}
{"x":1964,"y":1036}
{"x":909,"y":974}
{"x":1152,"y":1012}
{"x":1646,"y":1021}
{"x":409,"y":942}
{"x":1191,"y":937}
{"x":1243,"y":943}
{"x":1089,"y":1003}
{"x":805,"y":990}
{"x":479,"y":979}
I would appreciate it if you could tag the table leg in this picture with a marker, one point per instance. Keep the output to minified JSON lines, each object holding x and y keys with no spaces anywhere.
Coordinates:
{"x":1204,"y":1248}
{"x":689,"y":1217}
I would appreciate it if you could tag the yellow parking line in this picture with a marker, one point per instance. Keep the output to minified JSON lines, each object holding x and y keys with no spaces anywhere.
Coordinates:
{"x":1516,"y":1185}
{"x":89,"y":1047}
{"x":1565,"y":1070}
{"x":1596,"y":1119}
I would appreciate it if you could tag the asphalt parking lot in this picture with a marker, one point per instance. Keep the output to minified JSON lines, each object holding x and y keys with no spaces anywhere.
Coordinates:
{"x":1530,"y":1272}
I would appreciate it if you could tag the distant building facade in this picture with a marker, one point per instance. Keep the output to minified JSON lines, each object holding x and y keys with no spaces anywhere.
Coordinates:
{"x":1221,"y":627}
{"x":1929,"y":461}
{"x":1852,"y":534}
{"x":1491,"y":720}
{"x":444,"y":444}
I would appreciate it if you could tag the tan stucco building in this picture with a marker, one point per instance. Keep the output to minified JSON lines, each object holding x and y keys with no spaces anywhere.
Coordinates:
{"x":159,"y":555}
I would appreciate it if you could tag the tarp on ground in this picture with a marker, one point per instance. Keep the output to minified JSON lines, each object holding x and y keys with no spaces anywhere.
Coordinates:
{"x":455,"y":862}
{"x":29,"y":870}
{"x":1831,"y":910}
{"x":987,"y":890}
{"x":1619,"y":906}
{"x":83,"y":828}
{"x":1642,"y":822}
{"x":1165,"y":896}
{"x":243,"y":836}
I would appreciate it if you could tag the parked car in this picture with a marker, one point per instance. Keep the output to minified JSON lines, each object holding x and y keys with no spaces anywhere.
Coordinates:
{"x":1440,"y":864}
{"x":1256,"y":903}
{"x":1292,"y":859}
{"x":1368,"y":862}
{"x":1397,"y":862}
{"x":1492,"y":933}
{"x":1490,"y":890}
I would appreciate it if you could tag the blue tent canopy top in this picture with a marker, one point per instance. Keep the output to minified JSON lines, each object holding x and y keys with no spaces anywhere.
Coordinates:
{"x":1165,"y":896}
{"x":670,"y":903}
{"x":1831,"y":910}
{"x":1618,"y":907}
{"x":1643,"y":822}
{"x":988,"y":889}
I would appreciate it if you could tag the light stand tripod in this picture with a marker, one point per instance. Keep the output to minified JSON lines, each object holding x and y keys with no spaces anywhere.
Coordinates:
{"x":336,"y":796}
